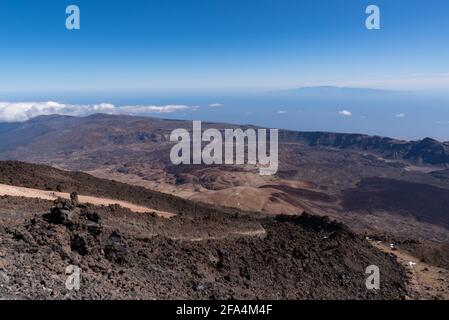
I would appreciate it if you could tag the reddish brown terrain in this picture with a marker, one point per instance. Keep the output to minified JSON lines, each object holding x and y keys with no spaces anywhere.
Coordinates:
{"x":323,"y":173}
{"x":390,"y":190}
{"x":202,"y":252}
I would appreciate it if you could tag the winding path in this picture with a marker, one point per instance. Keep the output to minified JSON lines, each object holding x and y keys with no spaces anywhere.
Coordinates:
{"x":7,"y":190}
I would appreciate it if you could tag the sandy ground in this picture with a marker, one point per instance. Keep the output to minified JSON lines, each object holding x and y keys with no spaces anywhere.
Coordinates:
{"x":239,"y":190}
{"x":7,"y":190}
{"x":426,"y":281}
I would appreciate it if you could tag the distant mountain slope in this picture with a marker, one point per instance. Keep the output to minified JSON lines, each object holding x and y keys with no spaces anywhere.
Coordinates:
{"x":315,"y":170}
{"x":426,"y":151}
{"x":8,"y":126}
{"x":441,"y":174}
{"x":49,"y":136}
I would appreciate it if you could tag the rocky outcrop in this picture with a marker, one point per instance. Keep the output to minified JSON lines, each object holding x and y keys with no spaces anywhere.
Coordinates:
{"x":304,"y":257}
{"x":426,"y":151}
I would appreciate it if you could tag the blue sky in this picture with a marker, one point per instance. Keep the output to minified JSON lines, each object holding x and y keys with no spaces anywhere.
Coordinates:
{"x":176,"y":45}
{"x":177,"y":58}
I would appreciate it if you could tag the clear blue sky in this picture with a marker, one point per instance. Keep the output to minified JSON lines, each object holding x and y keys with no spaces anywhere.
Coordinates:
{"x":222,"y":44}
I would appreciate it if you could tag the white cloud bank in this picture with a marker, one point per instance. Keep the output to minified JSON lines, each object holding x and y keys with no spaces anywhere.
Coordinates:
{"x":22,"y":111}
{"x":400,"y":115}
{"x":216,"y":105}
{"x":345,"y":113}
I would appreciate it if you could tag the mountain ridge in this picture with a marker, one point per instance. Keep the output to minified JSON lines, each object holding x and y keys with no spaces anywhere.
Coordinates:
{"x":422,"y":152}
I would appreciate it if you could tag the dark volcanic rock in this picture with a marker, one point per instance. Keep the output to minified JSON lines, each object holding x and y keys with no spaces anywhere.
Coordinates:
{"x":123,"y":255}
{"x":424,"y":202}
{"x":116,"y":248}
{"x":63,"y":212}
{"x":74,"y":198}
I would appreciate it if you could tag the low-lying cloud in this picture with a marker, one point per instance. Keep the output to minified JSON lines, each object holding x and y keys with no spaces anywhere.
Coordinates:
{"x":216,"y":105}
{"x":23,"y":111}
{"x":345,"y":113}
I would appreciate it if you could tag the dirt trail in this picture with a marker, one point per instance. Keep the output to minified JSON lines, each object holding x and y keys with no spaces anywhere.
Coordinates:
{"x":425,"y":281}
{"x":7,"y":190}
